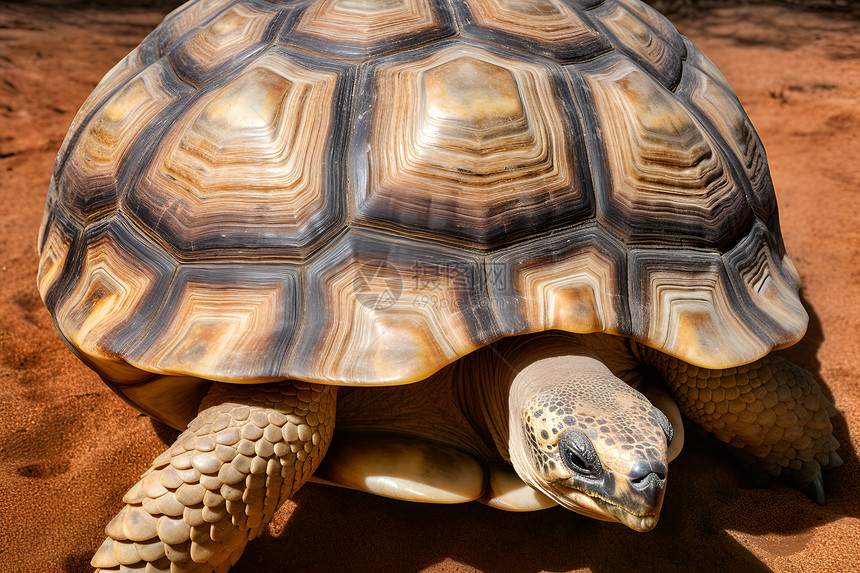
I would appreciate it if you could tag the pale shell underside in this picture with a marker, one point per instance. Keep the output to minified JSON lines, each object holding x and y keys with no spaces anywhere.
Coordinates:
{"x":361,"y":191}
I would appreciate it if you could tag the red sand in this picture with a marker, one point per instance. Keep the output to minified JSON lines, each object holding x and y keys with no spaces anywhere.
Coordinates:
{"x":71,"y":448}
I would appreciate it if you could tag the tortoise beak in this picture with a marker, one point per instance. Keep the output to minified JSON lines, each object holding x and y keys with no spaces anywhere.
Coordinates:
{"x":641,"y":524}
{"x":634,"y":499}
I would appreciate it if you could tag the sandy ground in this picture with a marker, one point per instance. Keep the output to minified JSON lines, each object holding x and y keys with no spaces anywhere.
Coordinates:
{"x":70,"y":448}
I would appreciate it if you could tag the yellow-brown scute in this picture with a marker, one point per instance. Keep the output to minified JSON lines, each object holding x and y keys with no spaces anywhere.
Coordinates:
{"x":405,"y":182}
{"x":621,"y":424}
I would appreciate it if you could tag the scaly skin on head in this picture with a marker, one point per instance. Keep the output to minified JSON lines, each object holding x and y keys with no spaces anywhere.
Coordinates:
{"x":584,"y":437}
{"x":597,"y":441}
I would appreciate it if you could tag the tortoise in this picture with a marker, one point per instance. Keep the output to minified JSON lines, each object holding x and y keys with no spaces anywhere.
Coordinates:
{"x":510,"y":239}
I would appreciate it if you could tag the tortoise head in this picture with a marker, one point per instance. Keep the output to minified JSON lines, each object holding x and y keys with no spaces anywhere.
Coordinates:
{"x":596,"y":446}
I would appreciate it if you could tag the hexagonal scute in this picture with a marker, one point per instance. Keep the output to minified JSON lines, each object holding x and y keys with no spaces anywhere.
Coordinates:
{"x":117,"y":281}
{"x":659,"y":23}
{"x":229,"y":37}
{"x":223,"y":321}
{"x":667,"y":180}
{"x":139,"y":58}
{"x":361,"y":28}
{"x":252,"y":164}
{"x":574,"y":280}
{"x":336,"y":191}
{"x":719,"y":106}
{"x":382,"y":309}
{"x":685,"y":305}
{"x":767,"y":287}
{"x":547,"y":27}
{"x":57,"y":234}
{"x":188,"y":17}
{"x":695,"y":57}
{"x":97,"y":164}
{"x":645,"y":36}
{"x":467,"y":144}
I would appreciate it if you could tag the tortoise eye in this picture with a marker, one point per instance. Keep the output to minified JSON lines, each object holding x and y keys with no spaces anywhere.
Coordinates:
{"x":578,"y":453}
{"x":575,"y":462}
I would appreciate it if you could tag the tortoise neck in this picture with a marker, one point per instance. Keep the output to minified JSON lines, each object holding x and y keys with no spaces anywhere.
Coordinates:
{"x":502,"y":378}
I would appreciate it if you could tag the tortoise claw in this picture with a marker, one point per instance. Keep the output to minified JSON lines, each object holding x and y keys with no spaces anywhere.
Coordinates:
{"x":815,"y":490}
{"x":835,"y":461}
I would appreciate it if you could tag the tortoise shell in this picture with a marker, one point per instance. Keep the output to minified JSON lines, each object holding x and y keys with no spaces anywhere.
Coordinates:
{"x":362,"y":191}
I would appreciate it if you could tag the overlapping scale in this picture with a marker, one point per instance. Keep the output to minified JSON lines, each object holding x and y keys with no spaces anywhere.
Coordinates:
{"x":358,"y":28}
{"x":380,"y":309}
{"x":465,"y":143}
{"x":723,"y":110}
{"x":223,"y":322}
{"x":253,"y":164}
{"x":121,"y":278}
{"x":666,"y":180}
{"x":87,"y":184}
{"x":767,"y":283}
{"x":658,"y":50}
{"x":233,"y":34}
{"x":574,"y":281}
{"x":547,"y":27}
{"x":683,"y":303}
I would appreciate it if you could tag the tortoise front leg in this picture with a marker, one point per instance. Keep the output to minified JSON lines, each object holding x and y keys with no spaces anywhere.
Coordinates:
{"x":771,"y":412}
{"x":248,"y":450}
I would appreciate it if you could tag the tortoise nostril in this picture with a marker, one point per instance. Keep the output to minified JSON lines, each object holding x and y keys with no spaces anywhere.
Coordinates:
{"x":652,"y":476}
{"x":643,"y":474}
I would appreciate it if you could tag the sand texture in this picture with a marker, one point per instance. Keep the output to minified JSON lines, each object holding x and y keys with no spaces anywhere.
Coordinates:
{"x":70,"y":448}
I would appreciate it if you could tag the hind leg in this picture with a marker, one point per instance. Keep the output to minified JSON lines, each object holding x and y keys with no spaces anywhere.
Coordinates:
{"x":771,"y":412}
{"x":249,"y":449}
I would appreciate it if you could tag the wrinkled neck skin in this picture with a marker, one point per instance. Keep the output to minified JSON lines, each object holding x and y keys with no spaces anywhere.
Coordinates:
{"x":552,"y":407}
